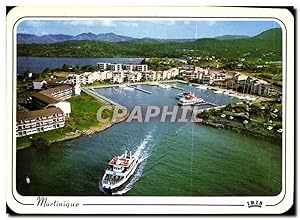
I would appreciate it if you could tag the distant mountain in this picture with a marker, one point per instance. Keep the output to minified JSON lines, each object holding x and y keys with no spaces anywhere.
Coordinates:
{"x":231,"y":37}
{"x":266,"y":46}
{"x":112,"y":37}
{"x":44,"y":39}
{"x":50,"y":39}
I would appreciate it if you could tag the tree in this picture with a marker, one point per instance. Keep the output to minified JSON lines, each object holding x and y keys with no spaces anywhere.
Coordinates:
{"x":65,"y":67}
{"x":39,"y":143}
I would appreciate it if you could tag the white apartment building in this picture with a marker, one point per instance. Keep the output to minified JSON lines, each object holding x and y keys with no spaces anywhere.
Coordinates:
{"x":119,"y":67}
{"x":134,"y":76}
{"x":73,"y":79}
{"x":255,"y":86}
{"x":32,"y":122}
{"x":106,"y":75}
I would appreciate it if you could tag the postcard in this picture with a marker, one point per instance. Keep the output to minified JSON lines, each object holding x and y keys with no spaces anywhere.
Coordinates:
{"x":150,"y":110}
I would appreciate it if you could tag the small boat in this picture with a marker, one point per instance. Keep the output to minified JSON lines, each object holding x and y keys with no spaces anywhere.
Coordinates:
{"x":119,"y":171}
{"x":201,"y":87}
{"x":129,"y":88}
{"x":164,"y":86}
{"x":27,"y":180}
{"x":218,"y":91}
{"x":190,"y":99}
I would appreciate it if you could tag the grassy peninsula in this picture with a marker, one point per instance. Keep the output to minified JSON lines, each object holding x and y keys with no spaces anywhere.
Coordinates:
{"x":82,"y":121}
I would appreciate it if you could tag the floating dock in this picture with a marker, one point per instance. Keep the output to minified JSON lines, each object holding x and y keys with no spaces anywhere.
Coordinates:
{"x":212,"y":104}
{"x":142,"y":90}
{"x":175,"y":87}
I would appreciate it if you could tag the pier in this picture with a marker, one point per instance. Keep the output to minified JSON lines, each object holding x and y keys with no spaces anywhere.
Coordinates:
{"x":101,"y":97}
{"x":175,"y":87}
{"x":142,"y":90}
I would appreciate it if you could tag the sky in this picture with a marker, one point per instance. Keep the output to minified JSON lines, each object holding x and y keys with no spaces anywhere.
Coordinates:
{"x":164,"y":29}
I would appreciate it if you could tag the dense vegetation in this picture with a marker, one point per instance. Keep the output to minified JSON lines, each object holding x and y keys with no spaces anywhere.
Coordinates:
{"x":261,"y":119}
{"x":266,"y":47}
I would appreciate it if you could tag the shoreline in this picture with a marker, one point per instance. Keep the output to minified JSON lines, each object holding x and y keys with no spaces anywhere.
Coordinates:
{"x":241,"y":130}
{"x":85,"y":132}
{"x":96,"y":129}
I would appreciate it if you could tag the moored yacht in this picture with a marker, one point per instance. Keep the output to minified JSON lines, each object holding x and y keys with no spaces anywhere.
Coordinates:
{"x":218,"y":91}
{"x":189,"y":99}
{"x":164,"y":86}
{"x":183,"y":94}
{"x":119,"y":171}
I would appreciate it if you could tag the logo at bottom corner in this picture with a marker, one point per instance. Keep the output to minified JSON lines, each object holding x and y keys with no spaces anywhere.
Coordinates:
{"x":255,"y":203}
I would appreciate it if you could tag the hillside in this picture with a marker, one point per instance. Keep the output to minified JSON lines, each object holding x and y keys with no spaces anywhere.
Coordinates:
{"x":266,"y":46}
{"x":231,"y":37}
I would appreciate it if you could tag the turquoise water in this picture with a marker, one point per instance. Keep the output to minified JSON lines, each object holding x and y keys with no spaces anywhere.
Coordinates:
{"x":179,"y":159}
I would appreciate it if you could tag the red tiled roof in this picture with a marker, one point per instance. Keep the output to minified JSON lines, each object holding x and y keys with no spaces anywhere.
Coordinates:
{"x":38,"y":113}
{"x":48,"y":99}
{"x":56,"y":89}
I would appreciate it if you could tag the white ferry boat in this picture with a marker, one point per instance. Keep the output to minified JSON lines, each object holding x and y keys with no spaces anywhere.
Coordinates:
{"x":190,"y":99}
{"x":119,"y":170}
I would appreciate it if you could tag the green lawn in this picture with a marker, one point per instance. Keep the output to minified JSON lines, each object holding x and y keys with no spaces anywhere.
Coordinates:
{"x":83,"y":116}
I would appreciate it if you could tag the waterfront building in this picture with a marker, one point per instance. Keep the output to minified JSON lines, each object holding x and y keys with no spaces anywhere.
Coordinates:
{"x":238,"y":77}
{"x":134,"y":76}
{"x":255,"y":86}
{"x":54,"y":97}
{"x":190,"y":72}
{"x":32,"y":122}
{"x":207,"y":79}
{"x":106,"y":75}
{"x":39,"y":84}
{"x":115,"y":67}
{"x":73,"y":79}
{"x":61,"y":92}
{"x":151,"y":75}
{"x":141,"y":67}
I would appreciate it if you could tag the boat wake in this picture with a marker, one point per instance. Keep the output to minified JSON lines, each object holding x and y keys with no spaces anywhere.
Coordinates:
{"x":143,"y":151}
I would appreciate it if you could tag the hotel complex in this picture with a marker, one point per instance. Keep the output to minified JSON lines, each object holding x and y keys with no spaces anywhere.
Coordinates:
{"x":52,"y":108}
{"x":39,"y":121}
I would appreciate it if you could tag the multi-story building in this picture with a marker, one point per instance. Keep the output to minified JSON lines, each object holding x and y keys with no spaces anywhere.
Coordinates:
{"x":106,"y":75}
{"x":134,"y":76}
{"x":151,"y":75}
{"x":141,"y":67}
{"x":73,"y":79}
{"x":54,"y":97}
{"x":238,"y":77}
{"x":255,"y":86}
{"x":62,"y":92}
{"x":115,"y":67}
{"x":39,"y":121}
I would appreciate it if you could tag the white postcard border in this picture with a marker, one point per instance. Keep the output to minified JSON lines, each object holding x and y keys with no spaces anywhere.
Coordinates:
{"x":155,"y":204}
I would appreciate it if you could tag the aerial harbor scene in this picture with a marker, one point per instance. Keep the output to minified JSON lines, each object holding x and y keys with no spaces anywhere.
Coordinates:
{"x":149,"y":108}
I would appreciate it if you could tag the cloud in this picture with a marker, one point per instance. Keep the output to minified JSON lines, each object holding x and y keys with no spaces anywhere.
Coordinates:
{"x":89,"y":23}
{"x":163,"y":22}
{"x":108,"y":23}
{"x":211,"y":23}
{"x":129,"y":24}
